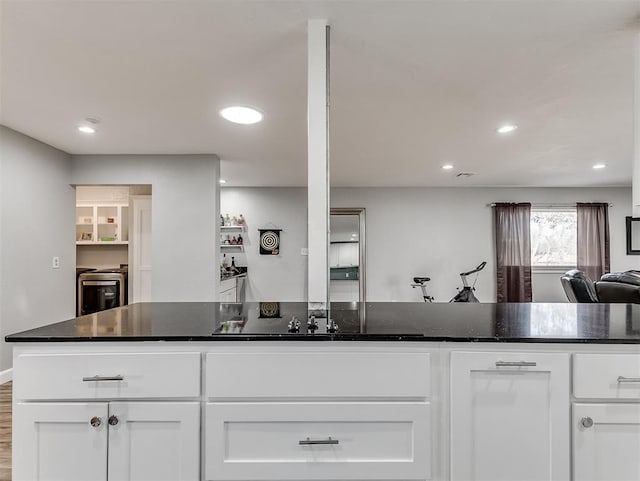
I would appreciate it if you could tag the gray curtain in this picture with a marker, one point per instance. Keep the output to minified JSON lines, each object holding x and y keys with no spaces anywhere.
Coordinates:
{"x":593,"y":239}
{"x":513,"y":252}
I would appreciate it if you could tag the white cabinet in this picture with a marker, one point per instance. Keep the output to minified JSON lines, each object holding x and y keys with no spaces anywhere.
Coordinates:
{"x":268,"y":419}
{"x":58,"y":442}
{"x":154,"y":441}
{"x":606,"y":433}
{"x":102,"y":223}
{"x":144,"y":441}
{"x":228,"y":291}
{"x":113,"y":438}
{"x":510,"y":416}
{"x":344,"y":254}
{"x":606,"y":442}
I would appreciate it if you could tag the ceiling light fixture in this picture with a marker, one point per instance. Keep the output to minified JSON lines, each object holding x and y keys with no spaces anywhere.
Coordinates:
{"x":88,"y":126}
{"x":447,"y":167}
{"x":241,"y":115}
{"x":599,"y":166}
{"x":505,"y":129}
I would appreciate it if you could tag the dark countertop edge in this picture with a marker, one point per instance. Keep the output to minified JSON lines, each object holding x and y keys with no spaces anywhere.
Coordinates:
{"x":321,"y":337}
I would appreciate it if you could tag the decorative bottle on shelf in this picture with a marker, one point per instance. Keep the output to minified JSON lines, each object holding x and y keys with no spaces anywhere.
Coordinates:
{"x":234,"y":241}
{"x":225,"y":264}
{"x":221,"y":219}
{"x":240,"y":241}
{"x":241,"y":221}
{"x":233,"y":263}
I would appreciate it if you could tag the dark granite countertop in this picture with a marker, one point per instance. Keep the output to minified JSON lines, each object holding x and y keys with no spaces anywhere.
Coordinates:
{"x":379,"y":321}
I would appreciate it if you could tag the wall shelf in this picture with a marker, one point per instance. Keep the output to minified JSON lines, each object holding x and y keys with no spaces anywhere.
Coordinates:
{"x":232,"y":228}
{"x":232,"y":246}
{"x":101,"y":243}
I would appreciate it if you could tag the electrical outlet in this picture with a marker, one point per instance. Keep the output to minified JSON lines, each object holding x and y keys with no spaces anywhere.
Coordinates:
{"x":304,"y":251}
{"x":55,"y":262}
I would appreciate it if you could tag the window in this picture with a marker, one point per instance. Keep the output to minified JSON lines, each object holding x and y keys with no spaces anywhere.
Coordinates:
{"x":553,"y":238}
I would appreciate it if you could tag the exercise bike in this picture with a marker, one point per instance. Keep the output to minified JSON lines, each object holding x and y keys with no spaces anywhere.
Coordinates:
{"x":464,"y":295}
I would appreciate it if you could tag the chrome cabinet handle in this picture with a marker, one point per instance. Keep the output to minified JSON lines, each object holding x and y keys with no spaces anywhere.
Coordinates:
{"x":113,"y":420}
{"x":515,"y":364}
{"x":586,"y":422}
{"x":308,"y":441}
{"x":622,"y":379}
{"x":95,"y":421}
{"x":103,"y":378}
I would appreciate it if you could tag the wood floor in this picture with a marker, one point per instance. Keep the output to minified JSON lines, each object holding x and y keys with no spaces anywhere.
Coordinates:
{"x":5,"y":432}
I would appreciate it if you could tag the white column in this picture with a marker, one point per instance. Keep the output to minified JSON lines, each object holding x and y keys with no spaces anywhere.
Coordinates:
{"x":635,"y":189}
{"x":318,"y":164}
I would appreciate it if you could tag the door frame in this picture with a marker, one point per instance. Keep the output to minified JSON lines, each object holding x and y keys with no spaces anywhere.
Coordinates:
{"x":362,"y":252}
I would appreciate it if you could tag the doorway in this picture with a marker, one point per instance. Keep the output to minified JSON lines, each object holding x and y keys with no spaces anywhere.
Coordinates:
{"x":347,"y":257}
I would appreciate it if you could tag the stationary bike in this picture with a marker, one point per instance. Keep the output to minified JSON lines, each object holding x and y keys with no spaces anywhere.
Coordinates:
{"x":464,"y":295}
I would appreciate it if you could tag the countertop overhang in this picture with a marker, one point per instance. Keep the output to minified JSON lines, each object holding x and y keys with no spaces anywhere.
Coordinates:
{"x":372,"y":321}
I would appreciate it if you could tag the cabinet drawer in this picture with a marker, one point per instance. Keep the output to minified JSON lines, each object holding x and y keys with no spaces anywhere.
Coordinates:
{"x":606,"y":376}
{"x":293,"y":441}
{"x":143,"y":375}
{"x":318,"y":375}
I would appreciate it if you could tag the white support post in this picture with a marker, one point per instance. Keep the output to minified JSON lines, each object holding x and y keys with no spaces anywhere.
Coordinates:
{"x":635,"y":186}
{"x":318,"y":164}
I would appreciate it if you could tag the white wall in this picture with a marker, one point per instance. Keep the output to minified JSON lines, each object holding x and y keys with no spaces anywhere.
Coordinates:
{"x":440,"y":232}
{"x":37,"y":222}
{"x":185,"y":210}
{"x":271,"y":278}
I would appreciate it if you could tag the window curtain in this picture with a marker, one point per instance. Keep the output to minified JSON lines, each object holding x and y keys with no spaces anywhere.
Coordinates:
{"x":513,"y":252}
{"x":593,"y":239}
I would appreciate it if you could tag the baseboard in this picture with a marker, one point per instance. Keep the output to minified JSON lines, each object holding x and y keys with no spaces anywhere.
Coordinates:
{"x":6,"y":376}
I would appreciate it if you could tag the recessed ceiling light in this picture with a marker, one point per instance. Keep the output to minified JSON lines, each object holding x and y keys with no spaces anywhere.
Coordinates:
{"x":241,"y":115}
{"x":222,"y":181}
{"x":505,"y":129}
{"x":447,"y":166}
{"x":85,"y":129}
{"x":599,"y":166}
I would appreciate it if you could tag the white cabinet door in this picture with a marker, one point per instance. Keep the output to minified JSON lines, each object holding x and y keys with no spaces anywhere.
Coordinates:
{"x":157,"y":441}
{"x":606,"y":442}
{"x":348,"y":254}
{"x":58,"y":443}
{"x":510,"y":416}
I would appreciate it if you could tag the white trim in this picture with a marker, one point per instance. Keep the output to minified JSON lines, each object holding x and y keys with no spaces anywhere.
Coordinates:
{"x":551,"y":269}
{"x":6,"y":375}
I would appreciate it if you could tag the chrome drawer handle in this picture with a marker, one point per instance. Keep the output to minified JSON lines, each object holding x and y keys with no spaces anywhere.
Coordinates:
{"x":308,"y":441}
{"x":515,"y":364}
{"x":622,"y":379}
{"x":103,"y":378}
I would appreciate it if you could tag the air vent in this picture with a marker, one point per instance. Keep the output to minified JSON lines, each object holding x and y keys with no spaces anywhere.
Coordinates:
{"x":464,"y":174}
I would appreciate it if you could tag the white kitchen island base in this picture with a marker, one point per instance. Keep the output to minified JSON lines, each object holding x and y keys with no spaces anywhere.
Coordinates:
{"x":286,"y":410}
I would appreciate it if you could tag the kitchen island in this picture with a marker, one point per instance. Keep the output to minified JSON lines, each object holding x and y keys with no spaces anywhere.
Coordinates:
{"x":386,"y":391}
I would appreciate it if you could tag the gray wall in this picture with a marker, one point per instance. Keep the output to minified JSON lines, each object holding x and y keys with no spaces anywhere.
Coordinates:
{"x":440,"y":232}
{"x":271,"y":278}
{"x":37,"y":222}
{"x":185,"y":210}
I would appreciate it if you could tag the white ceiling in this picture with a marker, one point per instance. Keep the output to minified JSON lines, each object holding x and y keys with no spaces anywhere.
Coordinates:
{"x":414,"y":84}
